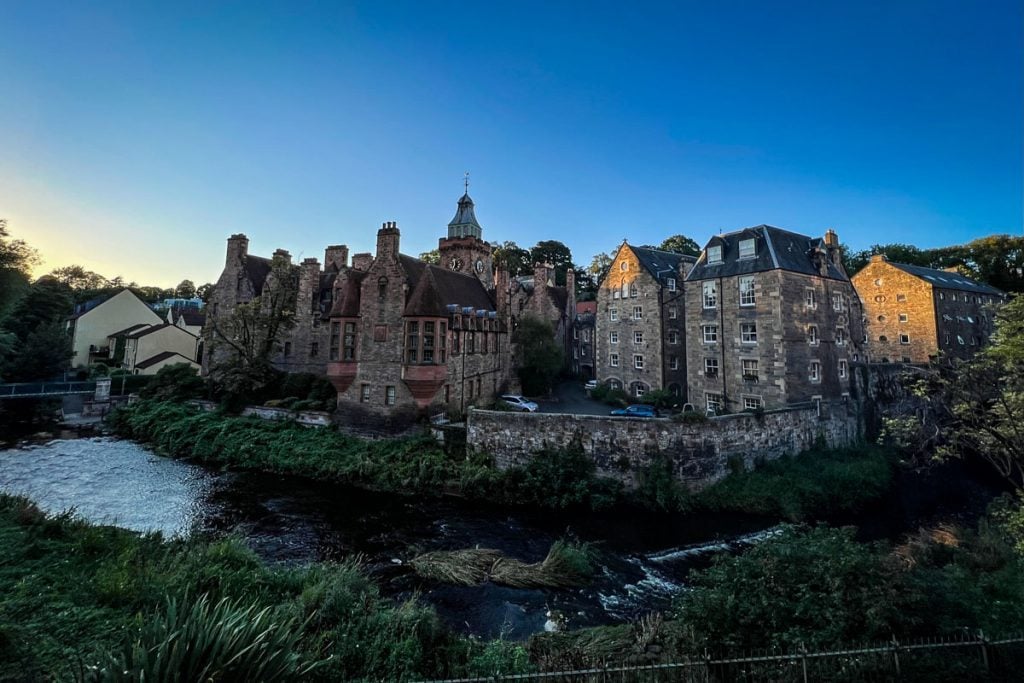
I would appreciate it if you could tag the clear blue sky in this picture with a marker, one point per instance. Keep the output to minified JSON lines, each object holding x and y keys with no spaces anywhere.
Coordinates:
{"x":135,"y":137}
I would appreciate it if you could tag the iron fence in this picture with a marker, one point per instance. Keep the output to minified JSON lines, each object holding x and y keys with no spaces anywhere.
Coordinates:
{"x":950,"y":658}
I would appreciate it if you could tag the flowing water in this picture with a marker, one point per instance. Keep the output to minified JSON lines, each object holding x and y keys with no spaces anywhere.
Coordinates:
{"x":644,"y":559}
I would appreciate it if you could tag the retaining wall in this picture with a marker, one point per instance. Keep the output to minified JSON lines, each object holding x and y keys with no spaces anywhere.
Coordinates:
{"x":699,"y":453}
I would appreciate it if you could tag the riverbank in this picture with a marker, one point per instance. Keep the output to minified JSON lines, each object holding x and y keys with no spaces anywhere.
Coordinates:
{"x":812,"y":485}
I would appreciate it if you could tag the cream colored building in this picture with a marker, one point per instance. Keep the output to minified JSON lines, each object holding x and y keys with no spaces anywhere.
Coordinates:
{"x":142,"y":346}
{"x":93,"y":323}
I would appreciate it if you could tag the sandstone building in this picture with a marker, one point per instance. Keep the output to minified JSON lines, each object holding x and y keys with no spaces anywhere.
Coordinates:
{"x":583,"y":334}
{"x":913,"y":314}
{"x":771,"y":319}
{"x":639,"y":336}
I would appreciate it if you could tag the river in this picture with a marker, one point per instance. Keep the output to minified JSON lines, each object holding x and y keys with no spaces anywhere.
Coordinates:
{"x":644,"y":559}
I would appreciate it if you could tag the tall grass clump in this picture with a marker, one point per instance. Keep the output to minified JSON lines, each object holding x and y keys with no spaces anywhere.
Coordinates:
{"x":567,"y":564}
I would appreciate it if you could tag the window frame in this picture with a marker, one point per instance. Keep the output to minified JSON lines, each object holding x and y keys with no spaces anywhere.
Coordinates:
{"x":748,"y":333}
{"x":747,"y":291}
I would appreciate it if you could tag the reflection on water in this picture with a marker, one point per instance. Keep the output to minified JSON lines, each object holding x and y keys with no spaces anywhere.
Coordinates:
{"x":644,"y":560}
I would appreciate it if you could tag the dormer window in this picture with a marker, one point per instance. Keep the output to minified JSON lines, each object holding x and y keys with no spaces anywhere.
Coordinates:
{"x":715,"y":254}
{"x":748,"y":248}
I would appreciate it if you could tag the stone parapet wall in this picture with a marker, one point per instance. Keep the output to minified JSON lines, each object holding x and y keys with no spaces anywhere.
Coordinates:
{"x":699,"y":453}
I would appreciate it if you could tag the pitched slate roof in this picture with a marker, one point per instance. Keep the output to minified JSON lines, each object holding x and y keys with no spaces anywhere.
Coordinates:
{"x":441,"y":288}
{"x":257,"y":269}
{"x":660,"y":264}
{"x":775,"y":249}
{"x":191,"y":317}
{"x":559,"y":297}
{"x":156,"y":328}
{"x":128,"y":330}
{"x":346,"y":303}
{"x":944,"y":279}
{"x":162,"y":356}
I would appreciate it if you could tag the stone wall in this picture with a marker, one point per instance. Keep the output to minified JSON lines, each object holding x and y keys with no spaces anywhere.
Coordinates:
{"x":699,"y":453}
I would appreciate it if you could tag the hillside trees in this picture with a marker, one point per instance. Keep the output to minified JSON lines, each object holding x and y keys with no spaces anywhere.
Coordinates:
{"x":16,"y":258}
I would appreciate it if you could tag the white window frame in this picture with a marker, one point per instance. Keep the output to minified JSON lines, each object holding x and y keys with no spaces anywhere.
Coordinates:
{"x":713,"y":401}
{"x":842,"y":368}
{"x":812,"y":335}
{"x":810,"y":299}
{"x":673,"y":362}
{"x":638,"y":336}
{"x":613,"y":314}
{"x":748,"y":248}
{"x":613,"y":360}
{"x":747,"y":296}
{"x":709,"y":294}
{"x":837,"y":301}
{"x":638,"y":361}
{"x":746,"y":369}
{"x":709,"y":333}
{"x":814,"y":371}
{"x":672,"y":313}
{"x":752,"y":403}
{"x":673,"y":337}
{"x":671,"y":284}
{"x":714,"y":254}
{"x":638,"y":312}
{"x":904,"y":317}
{"x":904,"y":338}
{"x":748,"y":333}
{"x":840,"y":336}
{"x":624,"y":266}
{"x":708,"y":364}
{"x":613,"y":337}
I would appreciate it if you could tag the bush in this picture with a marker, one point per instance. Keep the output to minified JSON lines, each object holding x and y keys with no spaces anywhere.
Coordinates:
{"x":177,"y":382}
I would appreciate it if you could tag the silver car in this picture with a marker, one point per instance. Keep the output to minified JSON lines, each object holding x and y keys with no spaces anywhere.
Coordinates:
{"x":520,"y":403}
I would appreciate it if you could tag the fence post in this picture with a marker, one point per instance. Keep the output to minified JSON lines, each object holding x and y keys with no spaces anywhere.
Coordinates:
{"x":707,"y":665}
{"x":984,"y":648}
{"x":803,"y":659}
{"x":896,"y":655}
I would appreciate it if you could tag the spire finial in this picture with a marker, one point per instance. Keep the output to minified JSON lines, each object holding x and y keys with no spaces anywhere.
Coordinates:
{"x":465,"y":182}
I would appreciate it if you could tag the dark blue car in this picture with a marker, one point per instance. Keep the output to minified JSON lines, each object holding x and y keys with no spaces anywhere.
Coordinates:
{"x":636,"y":410}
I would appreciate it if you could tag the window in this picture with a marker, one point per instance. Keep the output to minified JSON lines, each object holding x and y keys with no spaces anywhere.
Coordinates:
{"x":710,"y":294}
{"x":942,"y":295}
{"x":814,"y":372}
{"x":389,"y":396}
{"x":412,"y":331}
{"x":749,"y":369}
{"x":710,"y":334}
{"x":671,"y":284}
{"x":382,"y":287}
{"x":442,"y":342}
{"x":673,"y":362}
{"x":959,"y":340}
{"x":751,"y":403}
{"x":878,"y":282}
{"x":615,"y":294}
{"x":638,"y":362}
{"x":632,"y":290}
{"x":711,"y":367}
{"x":812,"y":335}
{"x":809,"y":299}
{"x":842,"y":369}
{"x":673,"y":313}
{"x":335,"y":348}
{"x":364,"y":394}
{"x":882,"y":338}
{"x":314,"y":349}
{"x":713,"y":403}
{"x":904,"y":339}
{"x":575,"y":333}
{"x":904,"y":318}
{"x":673,"y":337}
{"x":638,"y":337}
{"x":613,"y":360}
{"x":901,"y":297}
{"x":639,"y":390}
{"x":586,"y":336}
{"x":748,"y":333}
{"x":840,"y":336}
{"x":624,"y":266}
{"x":613,"y":337}
{"x":715,"y":254}
{"x":747,"y":291}
{"x":747,"y":248}
{"x":428,"y":341}
{"x":837,"y":302}
{"x":613,"y":314}
{"x":638,"y":312}
{"x":287,"y":348}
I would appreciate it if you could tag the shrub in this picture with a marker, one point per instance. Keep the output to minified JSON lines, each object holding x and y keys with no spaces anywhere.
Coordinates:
{"x":177,"y":382}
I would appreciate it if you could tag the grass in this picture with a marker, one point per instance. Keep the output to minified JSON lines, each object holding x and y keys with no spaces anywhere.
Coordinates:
{"x":567,"y":565}
{"x":77,"y":598}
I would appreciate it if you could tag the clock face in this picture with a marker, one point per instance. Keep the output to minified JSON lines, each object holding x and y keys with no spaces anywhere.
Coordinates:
{"x":479,"y":266}
{"x":456,"y":264}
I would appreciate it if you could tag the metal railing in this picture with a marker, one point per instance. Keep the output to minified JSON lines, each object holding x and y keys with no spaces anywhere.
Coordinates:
{"x":949,"y":658}
{"x":33,"y":389}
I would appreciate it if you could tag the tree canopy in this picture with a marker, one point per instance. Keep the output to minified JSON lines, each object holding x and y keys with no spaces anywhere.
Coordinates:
{"x":555,"y":253}
{"x":538,"y":357}
{"x":186,"y":289}
{"x":681,"y":244}
{"x":512,"y":257}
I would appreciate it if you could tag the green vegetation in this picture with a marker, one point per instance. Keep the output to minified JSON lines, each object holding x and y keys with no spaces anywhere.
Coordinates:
{"x":538,"y":356}
{"x":79,"y":601}
{"x":566,"y":565}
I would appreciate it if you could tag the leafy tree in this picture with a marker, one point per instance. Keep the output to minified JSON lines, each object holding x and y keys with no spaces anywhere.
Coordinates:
{"x":512,"y":257}
{"x":77,"y":277}
{"x":245,"y":340}
{"x":204,"y":291}
{"x":177,"y":382}
{"x":16,"y":259}
{"x":997,"y":260}
{"x":46,"y":301}
{"x":599,"y":267}
{"x":681,"y":244}
{"x":433,"y":256}
{"x":43,"y":354}
{"x":538,"y":357}
{"x":186,"y":289}
{"x":555,"y":253}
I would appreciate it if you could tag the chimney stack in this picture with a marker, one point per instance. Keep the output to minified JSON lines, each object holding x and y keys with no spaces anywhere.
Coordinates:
{"x":387,"y":241}
{"x":238,"y":249}
{"x":283,"y":254}
{"x":362,"y":261}
{"x":336,"y":255}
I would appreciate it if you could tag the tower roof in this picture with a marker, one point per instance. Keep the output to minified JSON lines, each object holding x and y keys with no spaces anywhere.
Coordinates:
{"x":464,"y":224}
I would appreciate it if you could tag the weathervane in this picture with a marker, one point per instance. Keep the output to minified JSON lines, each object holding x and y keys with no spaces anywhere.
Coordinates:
{"x":466,"y":182}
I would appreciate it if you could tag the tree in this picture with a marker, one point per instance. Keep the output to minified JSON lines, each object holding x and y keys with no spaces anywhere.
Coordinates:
{"x":42,"y":355}
{"x":681,"y":244}
{"x":433,"y":256}
{"x":46,"y":301}
{"x":537,"y":355}
{"x":204,"y":292}
{"x":77,"y":277}
{"x":16,"y":259}
{"x":997,"y":260}
{"x":513,"y":258}
{"x":186,"y":289}
{"x":555,"y":253}
{"x":245,"y":339}
{"x":599,"y":267}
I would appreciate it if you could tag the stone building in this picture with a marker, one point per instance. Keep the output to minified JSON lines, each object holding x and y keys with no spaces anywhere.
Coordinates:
{"x":913,"y":313}
{"x":771,"y":319}
{"x":583,"y":332}
{"x":639,"y":336}
{"x":539,"y":297}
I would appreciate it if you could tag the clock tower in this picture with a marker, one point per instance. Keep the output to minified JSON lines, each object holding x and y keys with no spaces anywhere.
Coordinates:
{"x":464,"y":250}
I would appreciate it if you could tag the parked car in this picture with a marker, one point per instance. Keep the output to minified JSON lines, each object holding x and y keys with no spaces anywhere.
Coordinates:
{"x":520,"y":403}
{"x":636,"y":410}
